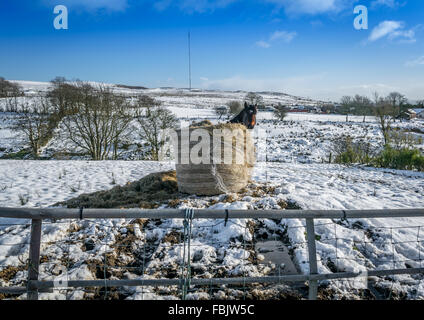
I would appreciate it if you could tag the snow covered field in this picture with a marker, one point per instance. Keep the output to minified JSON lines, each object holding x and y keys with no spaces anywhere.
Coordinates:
{"x":312,"y":186}
{"x":187,"y":105}
{"x":292,"y":168}
{"x":303,"y":137}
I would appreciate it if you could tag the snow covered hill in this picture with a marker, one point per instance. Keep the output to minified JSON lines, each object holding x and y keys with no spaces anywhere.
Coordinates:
{"x":181,"y":96}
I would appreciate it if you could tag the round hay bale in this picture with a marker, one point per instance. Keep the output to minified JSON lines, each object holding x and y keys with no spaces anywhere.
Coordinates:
{"x":220,"y":163}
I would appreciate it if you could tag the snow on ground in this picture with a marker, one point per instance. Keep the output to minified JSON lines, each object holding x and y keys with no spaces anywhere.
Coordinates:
{"x":10,"y":139}
{"x":303,"y":137}
{"x":312,"y":186}
{"x":48,"y":182}
{"x":186,"y":105}
{"x":292,"y":160}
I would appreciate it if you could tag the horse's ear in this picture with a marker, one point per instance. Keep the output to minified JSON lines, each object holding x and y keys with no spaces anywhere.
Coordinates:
{"x":245,"y":105}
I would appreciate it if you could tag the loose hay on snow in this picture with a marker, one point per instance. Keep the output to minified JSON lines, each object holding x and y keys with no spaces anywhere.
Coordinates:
{"x":146,"y":193}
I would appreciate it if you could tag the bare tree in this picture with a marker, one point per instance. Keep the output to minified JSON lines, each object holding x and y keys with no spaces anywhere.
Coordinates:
{"x":34,"y":126}
{"x":280,"y":112}
{"x":362,"y":105}
{"x":376,"y":98}
{"x":384,"y":114}
{"x":154,"y":120}
{"x":254,"y":99}
{"x":346,"y":105}
{"x":235,"y":107}
{"x":144,"y":101}
{"x":11,"y":91}
{"x":100,"y":120}
{"x":63,"y":97}
{"x":357,"y":105}
{"x":397,"y":101}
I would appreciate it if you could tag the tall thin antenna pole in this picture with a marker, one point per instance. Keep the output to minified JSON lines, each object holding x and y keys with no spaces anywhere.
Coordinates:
{"x":189,"y":61}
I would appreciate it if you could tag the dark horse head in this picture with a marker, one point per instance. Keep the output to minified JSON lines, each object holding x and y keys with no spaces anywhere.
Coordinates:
{"x":247,"y":116}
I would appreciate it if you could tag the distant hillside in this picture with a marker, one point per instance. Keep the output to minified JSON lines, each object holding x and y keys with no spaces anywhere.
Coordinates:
{"x":197,"y":98}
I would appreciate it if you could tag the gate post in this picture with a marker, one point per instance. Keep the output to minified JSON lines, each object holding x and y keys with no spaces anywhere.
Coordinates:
{"x":34,"y":259}
{"x":312,"y":252}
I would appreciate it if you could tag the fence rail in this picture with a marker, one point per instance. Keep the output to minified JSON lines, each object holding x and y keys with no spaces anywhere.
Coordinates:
{"x":60,"y":214}
{"x":37,"y":215}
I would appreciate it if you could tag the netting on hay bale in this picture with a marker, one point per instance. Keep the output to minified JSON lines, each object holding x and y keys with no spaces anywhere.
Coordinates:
{"x":214,"y":160}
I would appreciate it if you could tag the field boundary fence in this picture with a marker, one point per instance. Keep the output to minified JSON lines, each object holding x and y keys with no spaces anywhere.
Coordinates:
{"x":36,"y":217}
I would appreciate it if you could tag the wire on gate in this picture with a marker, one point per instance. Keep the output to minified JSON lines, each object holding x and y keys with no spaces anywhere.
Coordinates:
{"x":226,"y":217}
{"x":388,"y":240}
{"x":186,"y":276}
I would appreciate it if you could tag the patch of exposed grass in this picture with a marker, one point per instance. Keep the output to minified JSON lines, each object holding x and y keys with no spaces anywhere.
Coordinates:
{"x":16,"y":155}
{"x":23,"y":199}
{"x":173,"y":237}
{"x":10,"y":272}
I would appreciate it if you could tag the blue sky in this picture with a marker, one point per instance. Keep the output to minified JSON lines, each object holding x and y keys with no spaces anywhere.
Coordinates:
{"x":303,"y":47}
